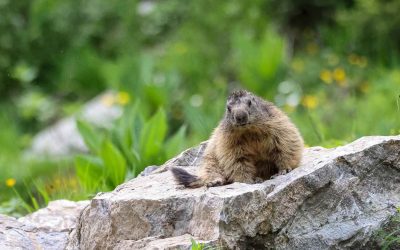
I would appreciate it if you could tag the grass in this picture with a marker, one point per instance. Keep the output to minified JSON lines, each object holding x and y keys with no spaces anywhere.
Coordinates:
{"x":389,"y":236}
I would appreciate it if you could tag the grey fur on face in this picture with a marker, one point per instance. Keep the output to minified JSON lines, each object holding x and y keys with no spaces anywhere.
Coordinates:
{"x":242,"y":108}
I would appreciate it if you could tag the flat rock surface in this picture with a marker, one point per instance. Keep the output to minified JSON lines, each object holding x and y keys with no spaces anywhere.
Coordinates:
{"x":337,"y":199}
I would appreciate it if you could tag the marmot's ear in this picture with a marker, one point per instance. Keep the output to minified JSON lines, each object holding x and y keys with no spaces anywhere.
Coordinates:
{"x":237,"y":94}
{"x":266,"y":107}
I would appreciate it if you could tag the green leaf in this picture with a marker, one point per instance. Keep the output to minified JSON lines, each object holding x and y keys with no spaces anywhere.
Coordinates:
{"x":40,"y":187}
{"x":35,"y":203}
{"x":194,"y":243}
{"x":175,"y":144}
{"x":131,"y":155}
{"x":196,"y":246}
{"x":126,"y":126}
{"x":89,"y":135}
{"x":114,"y":162}
{"x":258,"y":60}
{"x":125,"y":136}
{"x":152,"y":137}
{"x":90,"y":172}
{"x":271,"y":53}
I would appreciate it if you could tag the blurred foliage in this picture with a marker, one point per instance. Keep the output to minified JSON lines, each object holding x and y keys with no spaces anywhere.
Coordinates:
{"x":315,"y":83}
{"x":314,"y":59}
{"x":51,"y":44}
{"x":298,"y":18}
{"x":380,"y":18}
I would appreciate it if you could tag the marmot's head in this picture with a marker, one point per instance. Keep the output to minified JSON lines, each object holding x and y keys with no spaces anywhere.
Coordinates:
{"x":243,"y":108}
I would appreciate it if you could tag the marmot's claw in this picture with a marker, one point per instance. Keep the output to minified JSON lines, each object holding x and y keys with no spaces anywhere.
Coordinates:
{"x":214,"y":183}
{"x":281,"y":172}
{"x":258,"y":180}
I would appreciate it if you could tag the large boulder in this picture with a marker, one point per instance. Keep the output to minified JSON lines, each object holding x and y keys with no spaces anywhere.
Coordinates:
{"x":338,"y":199}
{"x":47,"y":228}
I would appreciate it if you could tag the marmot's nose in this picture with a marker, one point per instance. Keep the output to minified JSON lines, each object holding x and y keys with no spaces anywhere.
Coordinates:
{"x":241,"y":118}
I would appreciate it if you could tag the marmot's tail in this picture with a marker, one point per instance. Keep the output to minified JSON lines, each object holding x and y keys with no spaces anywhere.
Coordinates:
{"x":186,"y":179}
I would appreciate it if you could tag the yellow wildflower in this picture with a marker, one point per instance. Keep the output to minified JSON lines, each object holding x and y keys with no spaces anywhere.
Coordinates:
{"x":10,"y":182}
{"x":108,"y":100}
{"x":360,"y":61}
{"x":339,"y":75}
{"x":123,"y":98}
{"x":309,"y":101}
{"x":353,"y":59}
{"x":326,"y":76}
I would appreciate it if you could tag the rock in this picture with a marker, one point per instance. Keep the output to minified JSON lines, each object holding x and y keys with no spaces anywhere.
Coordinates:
{"x":47,"y":228}
{"x":338,"y":199}
{"x":189,"y":157}
{"x":148,"y":170}
{"x":63,"y":138}
{"x":155,"y":243}
{"x":58,"y":215}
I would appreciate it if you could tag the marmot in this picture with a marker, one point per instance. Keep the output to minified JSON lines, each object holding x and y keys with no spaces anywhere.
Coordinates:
{"x":254,"y":141}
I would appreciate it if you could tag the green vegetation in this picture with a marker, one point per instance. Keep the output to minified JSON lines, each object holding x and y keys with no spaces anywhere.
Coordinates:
{"x":201,"y":246}
{"x":172,"y":64}
{"x":196,"y":245}
{"x":389,"y":236}
{"x":124,"y":151}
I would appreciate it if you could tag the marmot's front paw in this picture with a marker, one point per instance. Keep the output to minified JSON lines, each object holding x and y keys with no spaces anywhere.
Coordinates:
{"x":214,"y":183}
{"x":258,"y":180}
{"x":281,"y":172}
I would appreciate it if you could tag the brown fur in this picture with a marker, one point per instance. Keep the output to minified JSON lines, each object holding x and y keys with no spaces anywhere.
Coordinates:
{"x":253,"y":142}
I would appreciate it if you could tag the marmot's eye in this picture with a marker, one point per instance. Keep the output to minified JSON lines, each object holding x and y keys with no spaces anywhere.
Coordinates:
{"x":229,"y":108}
{"x":249,"y":103}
